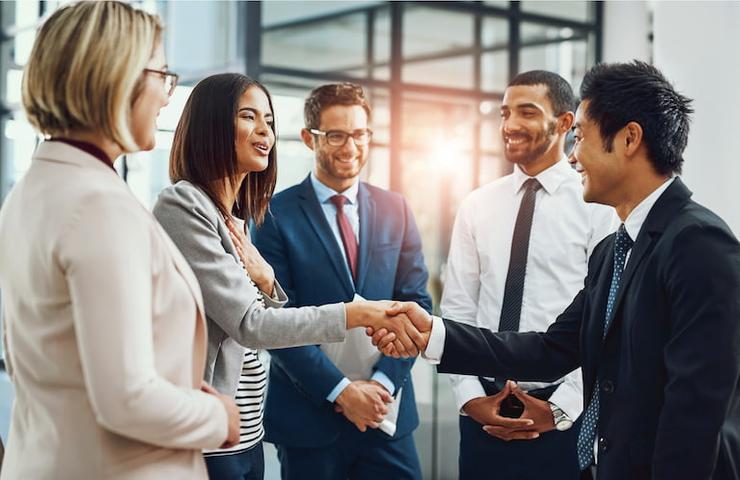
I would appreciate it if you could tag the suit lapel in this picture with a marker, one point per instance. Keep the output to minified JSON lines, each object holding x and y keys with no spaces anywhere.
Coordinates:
{"x":366,"y":206}
{"x":664,"y":209}
{"x":316,"y":218}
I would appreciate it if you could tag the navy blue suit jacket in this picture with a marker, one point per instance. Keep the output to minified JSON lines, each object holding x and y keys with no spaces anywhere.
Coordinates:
{"x":297,"y":241}
{"x":669,"y":365}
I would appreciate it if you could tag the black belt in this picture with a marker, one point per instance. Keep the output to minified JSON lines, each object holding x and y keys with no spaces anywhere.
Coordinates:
{"x":512,"y":407}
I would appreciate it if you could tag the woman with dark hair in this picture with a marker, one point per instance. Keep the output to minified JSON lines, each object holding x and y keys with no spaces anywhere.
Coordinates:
{"x":223,"y":168}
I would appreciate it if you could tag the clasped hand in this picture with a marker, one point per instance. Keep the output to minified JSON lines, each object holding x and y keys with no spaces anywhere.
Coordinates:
{"x":398,"y":329}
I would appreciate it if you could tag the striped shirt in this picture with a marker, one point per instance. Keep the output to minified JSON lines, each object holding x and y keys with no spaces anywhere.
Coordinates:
{"x":250,"y":400}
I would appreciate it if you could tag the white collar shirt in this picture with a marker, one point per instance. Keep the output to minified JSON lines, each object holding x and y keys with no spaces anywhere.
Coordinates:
{"x":565,"y":229}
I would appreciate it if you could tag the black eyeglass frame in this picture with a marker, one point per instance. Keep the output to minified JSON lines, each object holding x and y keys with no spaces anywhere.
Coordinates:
{"x":345,"y":135}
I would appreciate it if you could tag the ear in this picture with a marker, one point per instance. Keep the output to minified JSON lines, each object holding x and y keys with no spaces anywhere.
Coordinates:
{"x":565,"y":122}
{"x":307,"y":138}
{"x":632,"y":138}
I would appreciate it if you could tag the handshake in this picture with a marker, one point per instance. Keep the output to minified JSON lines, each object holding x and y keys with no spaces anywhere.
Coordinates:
{"x":398,"y":329}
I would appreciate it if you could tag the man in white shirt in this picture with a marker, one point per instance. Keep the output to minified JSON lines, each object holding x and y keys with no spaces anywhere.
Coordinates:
{"x":518,"y":255}
{"x":655,"y":329}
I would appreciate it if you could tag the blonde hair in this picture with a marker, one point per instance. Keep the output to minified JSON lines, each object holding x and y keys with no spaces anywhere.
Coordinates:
{"x":86,"y":69}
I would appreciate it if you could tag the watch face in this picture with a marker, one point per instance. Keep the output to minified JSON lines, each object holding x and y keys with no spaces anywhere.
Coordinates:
{"x":563,"y":424}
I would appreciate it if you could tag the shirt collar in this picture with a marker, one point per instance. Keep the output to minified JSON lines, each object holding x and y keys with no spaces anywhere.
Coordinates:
{"x":634,"y":221}
{"x":551,"y":178}
{"x":324,"y":193}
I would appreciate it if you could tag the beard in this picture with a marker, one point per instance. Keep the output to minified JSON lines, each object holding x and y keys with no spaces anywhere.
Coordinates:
{"x":335,"y":170}
{"x":542,"y":143}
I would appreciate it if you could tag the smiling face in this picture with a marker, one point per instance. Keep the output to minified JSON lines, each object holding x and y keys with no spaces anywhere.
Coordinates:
{"x":254,"y":131}
{"x":529,"y":127}
{"x":339,"y":167}
{"x":149,"y":102}
{"x":604,"y":174}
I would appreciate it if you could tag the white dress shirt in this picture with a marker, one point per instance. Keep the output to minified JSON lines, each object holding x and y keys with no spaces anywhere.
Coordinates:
{"x":565,"y":230}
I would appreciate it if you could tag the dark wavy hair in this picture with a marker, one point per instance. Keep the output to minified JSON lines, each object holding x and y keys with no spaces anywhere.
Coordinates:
{"x":204,"y":153}
{"x":619,"y":93}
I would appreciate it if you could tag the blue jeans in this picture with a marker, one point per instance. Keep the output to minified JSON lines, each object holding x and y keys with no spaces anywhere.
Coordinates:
{"x":246,"y":465}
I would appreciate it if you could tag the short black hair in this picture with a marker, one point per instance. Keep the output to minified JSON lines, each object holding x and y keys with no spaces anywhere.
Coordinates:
{"x":559,"y":91}
{"x":619,"y":93}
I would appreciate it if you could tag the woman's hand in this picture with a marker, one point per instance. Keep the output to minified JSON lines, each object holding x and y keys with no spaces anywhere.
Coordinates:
{"x":258,"y":269}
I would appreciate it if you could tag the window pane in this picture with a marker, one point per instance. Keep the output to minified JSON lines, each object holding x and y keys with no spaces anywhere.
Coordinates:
{"x":214,"y":45}
{"x":450,"y":72}
{"x":337,"y":45}
{"x":432,"y":31}
{"x":19,"y":143}
{"x":572,"y":10}
{"x":497,"y":3}
{"x":494,"y":70}
{"x":13,"y":81}
{"x":382,"y":44}
{"x":494,"y":32}
{"x":570,"y":59}
{"x":536,"y":32}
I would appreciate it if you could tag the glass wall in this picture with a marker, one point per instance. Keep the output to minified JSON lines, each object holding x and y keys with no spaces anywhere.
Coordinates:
{"x":435,"y":73}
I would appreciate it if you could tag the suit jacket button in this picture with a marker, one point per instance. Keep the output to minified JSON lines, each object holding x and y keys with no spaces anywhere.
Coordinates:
{"x":607,"y":386}
{"x":603,"y":445}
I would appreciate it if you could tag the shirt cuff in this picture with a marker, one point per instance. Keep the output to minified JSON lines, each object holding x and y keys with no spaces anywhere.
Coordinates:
{"x":564,"y":399}
{"x":466,"y":389}
{"x":344,"y":383}
{"x":383,"y":379}
{"x":436,"y":344}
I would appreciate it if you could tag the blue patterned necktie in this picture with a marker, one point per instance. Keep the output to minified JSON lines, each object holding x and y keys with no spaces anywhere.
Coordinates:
{"x":587,"y":435}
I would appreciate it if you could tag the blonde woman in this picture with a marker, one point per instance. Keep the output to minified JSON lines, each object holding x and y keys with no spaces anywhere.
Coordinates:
{"x":104,"y":326}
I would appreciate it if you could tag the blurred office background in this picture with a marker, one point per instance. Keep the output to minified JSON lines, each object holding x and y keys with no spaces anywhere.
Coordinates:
{"x":435,"y":73}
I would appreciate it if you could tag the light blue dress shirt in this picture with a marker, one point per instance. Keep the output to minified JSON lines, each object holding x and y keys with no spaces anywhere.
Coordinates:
{"x":352,"y":212}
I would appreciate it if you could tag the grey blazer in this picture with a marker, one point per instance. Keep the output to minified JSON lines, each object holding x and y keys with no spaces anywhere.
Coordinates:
{"x":236,"y":317}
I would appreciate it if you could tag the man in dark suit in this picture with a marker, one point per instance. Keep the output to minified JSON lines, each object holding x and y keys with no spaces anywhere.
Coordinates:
{"x":656,"y":328}
{"x":333,"y":238}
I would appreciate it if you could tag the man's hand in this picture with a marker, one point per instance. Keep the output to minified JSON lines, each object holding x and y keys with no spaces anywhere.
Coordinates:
{"x":486,"y":411}
{"x":536,"y":410}
{"x":232,"y":414}
{"x":363,"y":403}
{"x":405,"y":337}
{"x":422,"y":322}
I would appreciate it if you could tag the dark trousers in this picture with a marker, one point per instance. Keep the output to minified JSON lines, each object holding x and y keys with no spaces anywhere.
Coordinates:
{"x":551,"y":456}
{"x":246,"y":465}
{"x":354,"y":455}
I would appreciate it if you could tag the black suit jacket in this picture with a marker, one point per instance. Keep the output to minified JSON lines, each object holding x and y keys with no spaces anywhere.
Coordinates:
{"x":669,"y":366}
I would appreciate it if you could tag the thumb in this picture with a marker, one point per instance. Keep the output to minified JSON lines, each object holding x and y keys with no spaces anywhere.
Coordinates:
{"x":385,"y":396}
{"x":395,"y":309}
{"x":505,"y":392}
{"x":520,"y":394}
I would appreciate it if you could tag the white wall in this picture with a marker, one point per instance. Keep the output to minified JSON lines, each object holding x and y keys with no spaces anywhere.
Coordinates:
{"x":695,"y":45}
{"x":626,"y":30}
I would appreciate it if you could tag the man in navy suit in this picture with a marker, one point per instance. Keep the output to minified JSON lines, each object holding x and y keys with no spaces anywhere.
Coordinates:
{"x":656,"y":328}
{"x":347,"y":413}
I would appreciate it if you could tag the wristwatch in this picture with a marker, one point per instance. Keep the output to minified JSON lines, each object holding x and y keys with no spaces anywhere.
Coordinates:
{"x":561,"y":419}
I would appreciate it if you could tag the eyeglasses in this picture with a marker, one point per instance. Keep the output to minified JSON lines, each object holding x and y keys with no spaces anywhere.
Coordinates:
{"x":170,"y":79}
{"x":338,"y":138}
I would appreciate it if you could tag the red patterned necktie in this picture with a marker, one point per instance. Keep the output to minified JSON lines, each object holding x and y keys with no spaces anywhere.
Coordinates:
{"x":348,"y":235}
